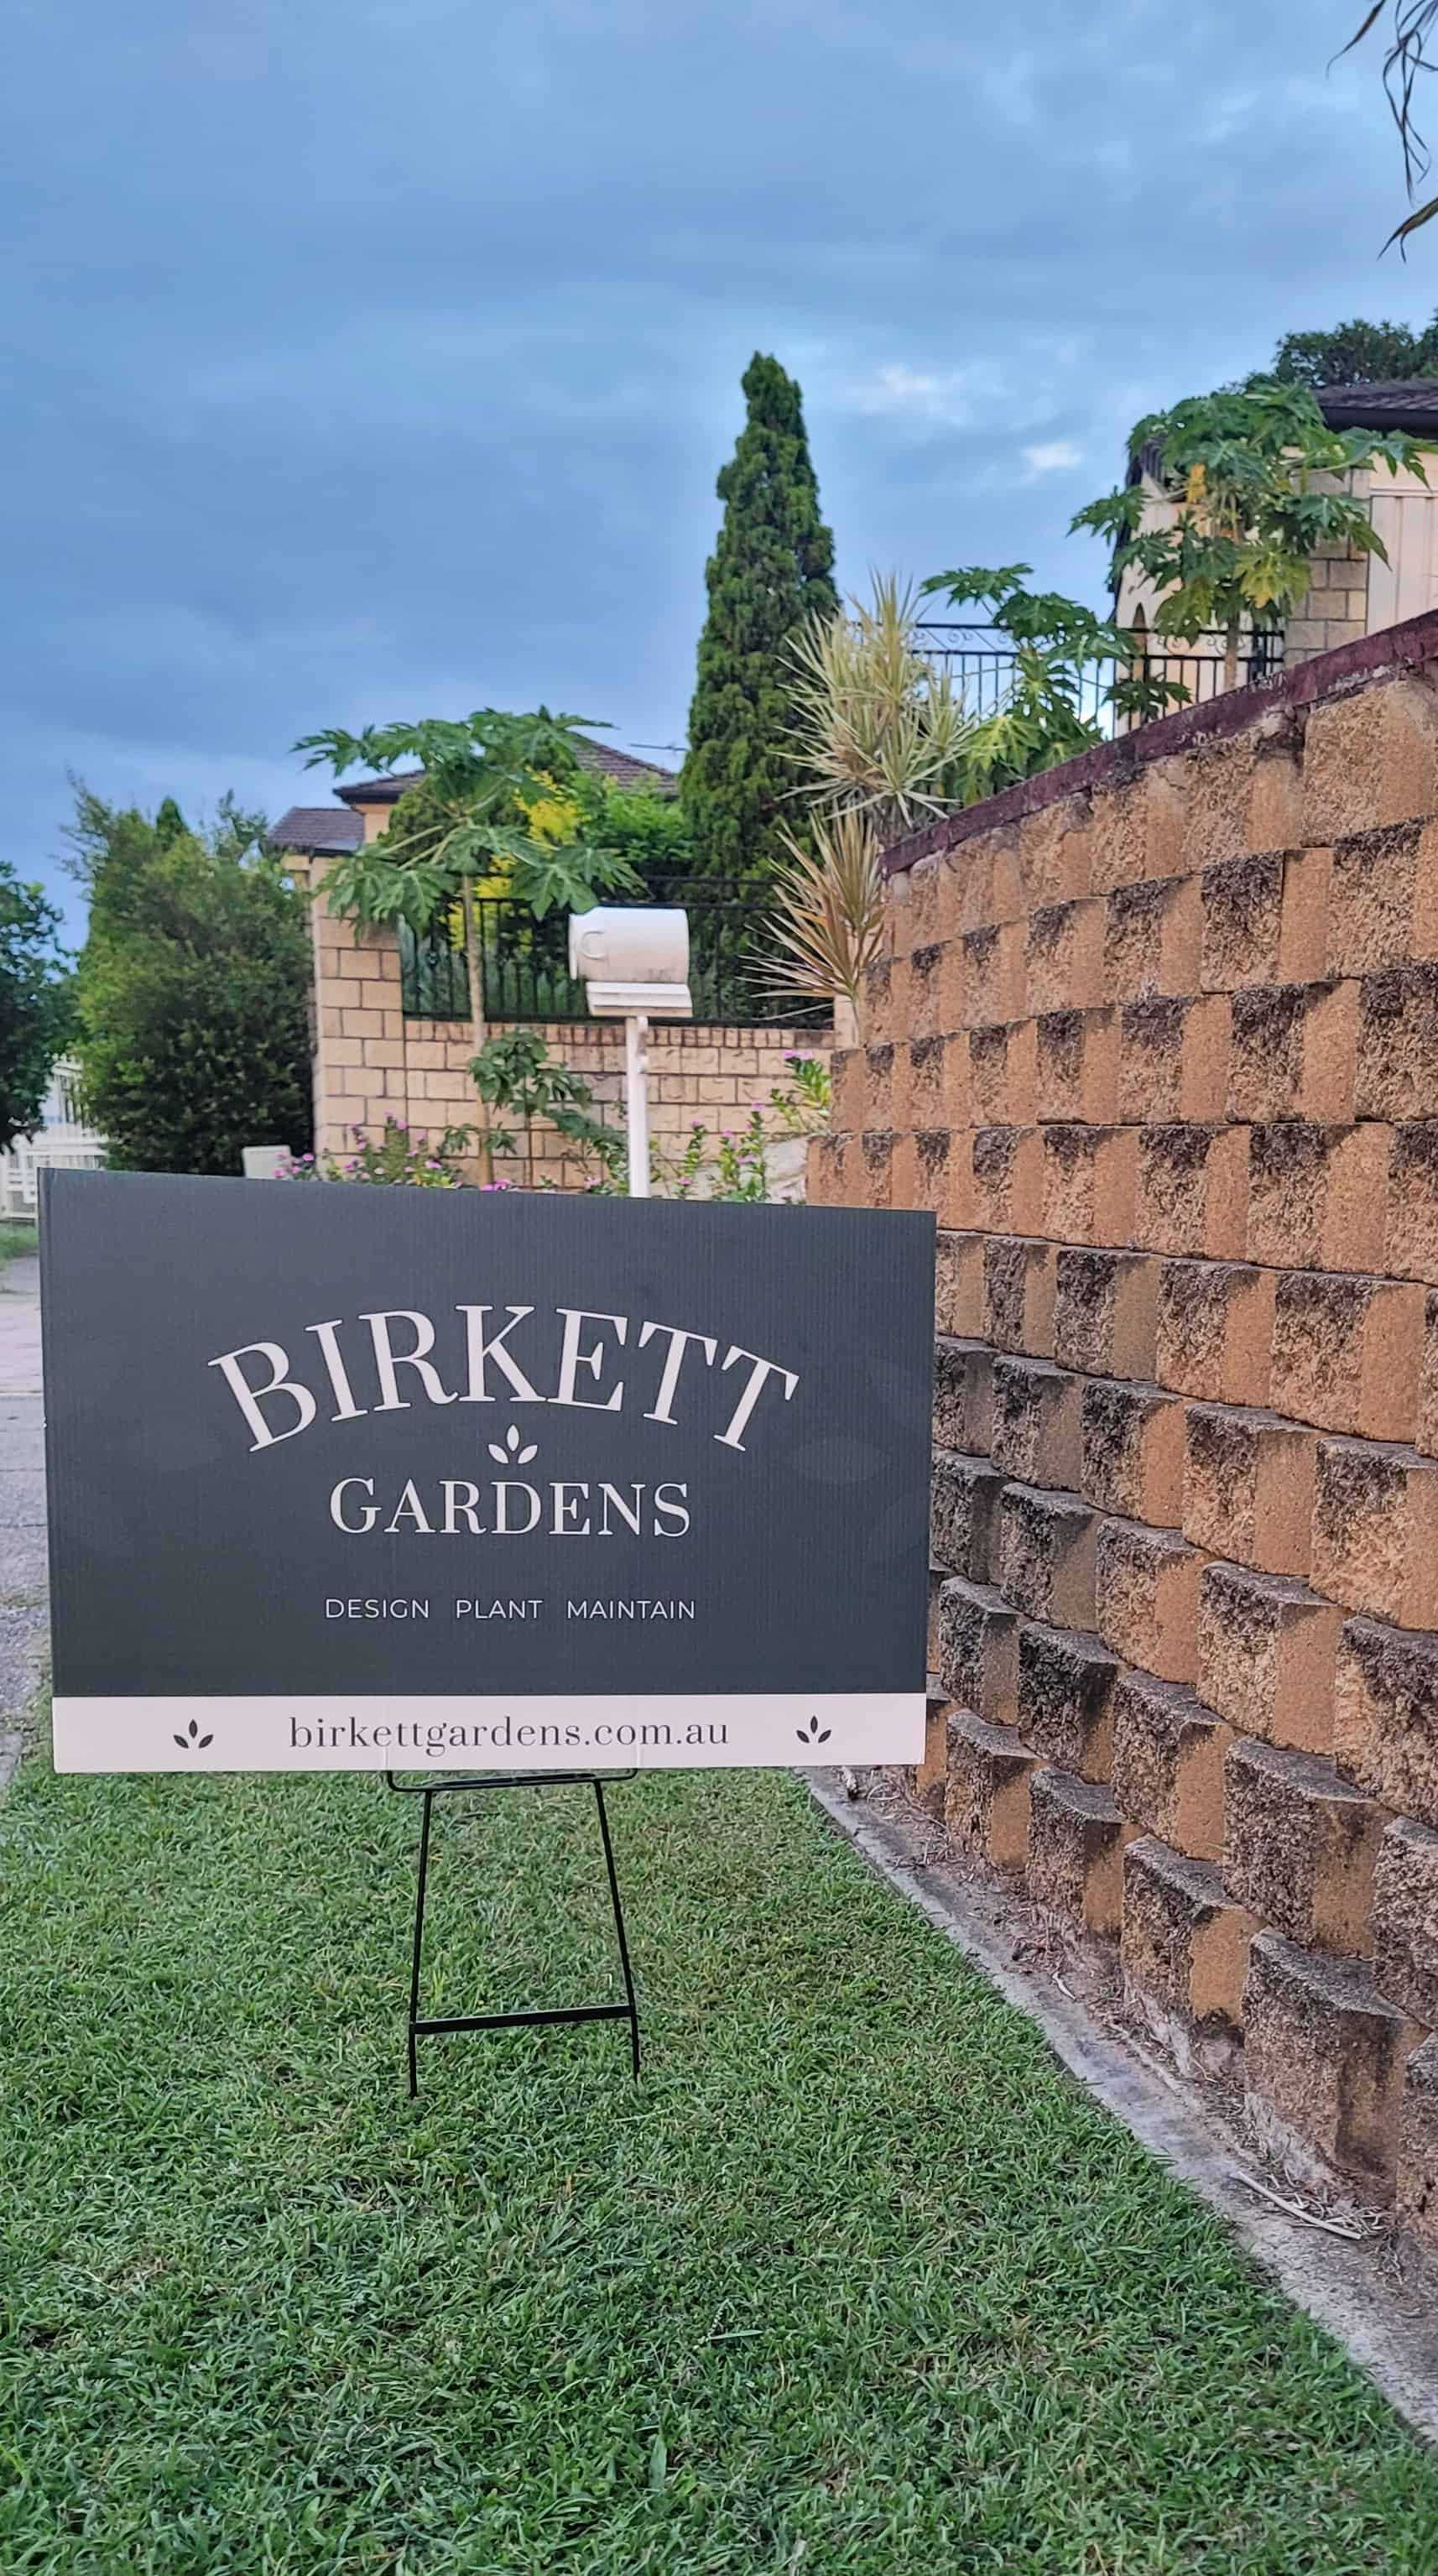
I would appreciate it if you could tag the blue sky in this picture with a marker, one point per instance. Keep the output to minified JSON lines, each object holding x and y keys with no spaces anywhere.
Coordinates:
{"x":376,"y":357}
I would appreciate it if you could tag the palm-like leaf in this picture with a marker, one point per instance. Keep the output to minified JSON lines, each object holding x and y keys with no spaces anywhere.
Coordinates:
{"x":827,"y":913}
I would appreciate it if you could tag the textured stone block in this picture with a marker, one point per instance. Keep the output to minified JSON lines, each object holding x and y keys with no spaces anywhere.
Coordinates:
{"x":1375,"y":1531}
{"x":1405,"y":1918}
{"x":1371,"y":759}
{"x":878,"y":1114}
{"x":1007,"y":1180}
{"x":1064,"y":963}
{"x":1427,"y":1436}
{"x":940,"y":1182}
{"x":1089,"y":1177}
{"x":827,"y":1171}
{"x":1184,"y":1947}
{"x":1418,"y":2144}
{"x":1192,"y":1193}
{"x":900,"y":1120}
{"x":877,"y":1015}
{"x":1410,"y":1240}
{"x":1046,"y":1555}
{"x":903,"y":1172}
{"x":878,"y":1155}
{"x":1347,"y":1353}
{"x":1385,"y":1716}
{"x":958,"y":1283}
{"x":1323,"y":2063}
{"x":1018,"y":1298}
{"x":993,"y":969}
{"x":963,"y":1499}
{"x":963,"y":1394}
{"x":1168,"y":1754}
{"x":1056,"y":851}
{"x":978,"y":1649}
{"x":938,"y":1083}
{"x":1065,"y":1694}
{"x":1294,"y":1052}
{"x":1152,"y":939}
{"x":1132,"y":1451}
{"x":1383,"y":899}
{"x":1218,"y":779}
{"x":933,"y":904}
{"x":848,"y":1069}
{"x":1241,"y":902}
{"x":1173,"y":1058}
{"x":1300,"y":1845}
{"x":1002,"y":1068}
{"x":1138,"y":828}
{"x":1397,"y":1074}
{"x":936,"y":991}
{"x":1317,"y":1196}
{"x":1214,"y":1330}
{"x":1034,"y":1422}
{"x":1075,"y":1857}
{"x":1267,"y":1648}
{"x":1303,"y":932}
{"x":1146,"y":1595}
{"x":1076,"y":1066}
{"x":1105,"y":1313}
{"x":928,"y":1778}
{"x":1248,"y":1482}
{"x":987,"y":1805}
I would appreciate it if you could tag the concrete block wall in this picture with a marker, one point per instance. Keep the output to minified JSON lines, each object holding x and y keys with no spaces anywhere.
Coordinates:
{"x":1156,"y":1039}
{"x":372,"y":1062}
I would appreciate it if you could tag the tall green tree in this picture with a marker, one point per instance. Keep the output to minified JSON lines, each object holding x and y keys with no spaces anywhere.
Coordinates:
{"x":35,"y":1002}
{"x":770,"y":575}
{"x":1356,"y":353}
{"x":193,"y":988}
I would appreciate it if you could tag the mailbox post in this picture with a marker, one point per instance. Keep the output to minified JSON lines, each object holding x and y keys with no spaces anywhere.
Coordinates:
{"x":633,"y":960}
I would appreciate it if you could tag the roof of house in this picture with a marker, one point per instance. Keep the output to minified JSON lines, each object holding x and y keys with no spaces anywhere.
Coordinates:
{"x":619,"y":766}
{"x":1409,"y":403}
{"x":315,"y":829}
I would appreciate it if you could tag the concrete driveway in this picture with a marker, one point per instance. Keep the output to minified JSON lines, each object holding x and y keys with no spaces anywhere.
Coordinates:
{"x":23,"y":1597}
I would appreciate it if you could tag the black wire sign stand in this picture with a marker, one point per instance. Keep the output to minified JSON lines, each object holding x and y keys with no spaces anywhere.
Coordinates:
{"x":423,"y":2026}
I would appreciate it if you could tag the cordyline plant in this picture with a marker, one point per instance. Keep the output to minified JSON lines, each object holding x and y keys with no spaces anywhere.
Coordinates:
{"x":1254,"y":475}
{"x":468,"y":818}
{"x":879,"y":738}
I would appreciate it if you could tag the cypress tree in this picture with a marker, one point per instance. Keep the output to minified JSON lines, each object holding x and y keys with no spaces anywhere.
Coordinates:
{"x":771,"y":569}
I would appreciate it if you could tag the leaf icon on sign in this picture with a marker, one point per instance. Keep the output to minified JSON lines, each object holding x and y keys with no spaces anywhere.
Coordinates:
{"x":192,"y":1741}
{"x":511,"y":1454}
{"x":813,"y":1733}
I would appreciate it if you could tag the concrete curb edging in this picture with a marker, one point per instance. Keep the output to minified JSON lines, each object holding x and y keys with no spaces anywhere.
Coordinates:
{"x":1343,"y":2287}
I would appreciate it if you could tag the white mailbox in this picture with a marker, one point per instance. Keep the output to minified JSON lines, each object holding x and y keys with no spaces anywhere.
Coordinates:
{"x":633,"y":961}
{"x":633,"y":957}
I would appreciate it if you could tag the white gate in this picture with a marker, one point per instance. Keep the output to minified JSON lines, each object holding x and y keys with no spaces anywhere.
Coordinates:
{"x":63,"y":1139}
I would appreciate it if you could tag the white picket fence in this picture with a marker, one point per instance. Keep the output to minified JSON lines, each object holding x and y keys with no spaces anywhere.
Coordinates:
{"x":62,"y":1139}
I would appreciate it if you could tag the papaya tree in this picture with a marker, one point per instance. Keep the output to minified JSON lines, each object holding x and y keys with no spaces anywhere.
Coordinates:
{"x":491,"y":791}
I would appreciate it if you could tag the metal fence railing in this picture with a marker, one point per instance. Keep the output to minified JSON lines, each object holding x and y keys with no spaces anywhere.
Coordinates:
{"x":981,"y":661}
{"x":525,"y":963}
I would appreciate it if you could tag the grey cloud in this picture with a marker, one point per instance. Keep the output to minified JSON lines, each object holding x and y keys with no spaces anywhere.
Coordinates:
{"x":379,"y":355}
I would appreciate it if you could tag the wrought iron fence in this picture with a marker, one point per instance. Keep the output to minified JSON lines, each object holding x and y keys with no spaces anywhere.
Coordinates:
{"x":525,"y":963}
{"x":981,"y":662}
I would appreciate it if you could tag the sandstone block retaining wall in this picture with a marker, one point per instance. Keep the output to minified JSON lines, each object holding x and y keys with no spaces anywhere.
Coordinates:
{"x":1156,"y":1039}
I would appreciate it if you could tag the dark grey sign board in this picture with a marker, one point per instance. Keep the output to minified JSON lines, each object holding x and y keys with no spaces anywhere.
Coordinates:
{"x":349,"y":1478}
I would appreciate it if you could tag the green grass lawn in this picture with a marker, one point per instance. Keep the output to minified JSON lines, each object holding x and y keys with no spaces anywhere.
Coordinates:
{"x":17,"y":1235}
{"x":855,"y":2280}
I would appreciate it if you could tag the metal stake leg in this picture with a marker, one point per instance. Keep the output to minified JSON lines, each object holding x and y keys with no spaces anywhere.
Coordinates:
{"x":420,"y":1884}
{"x":421,"y":2025}
{"x":619,"y":1929}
